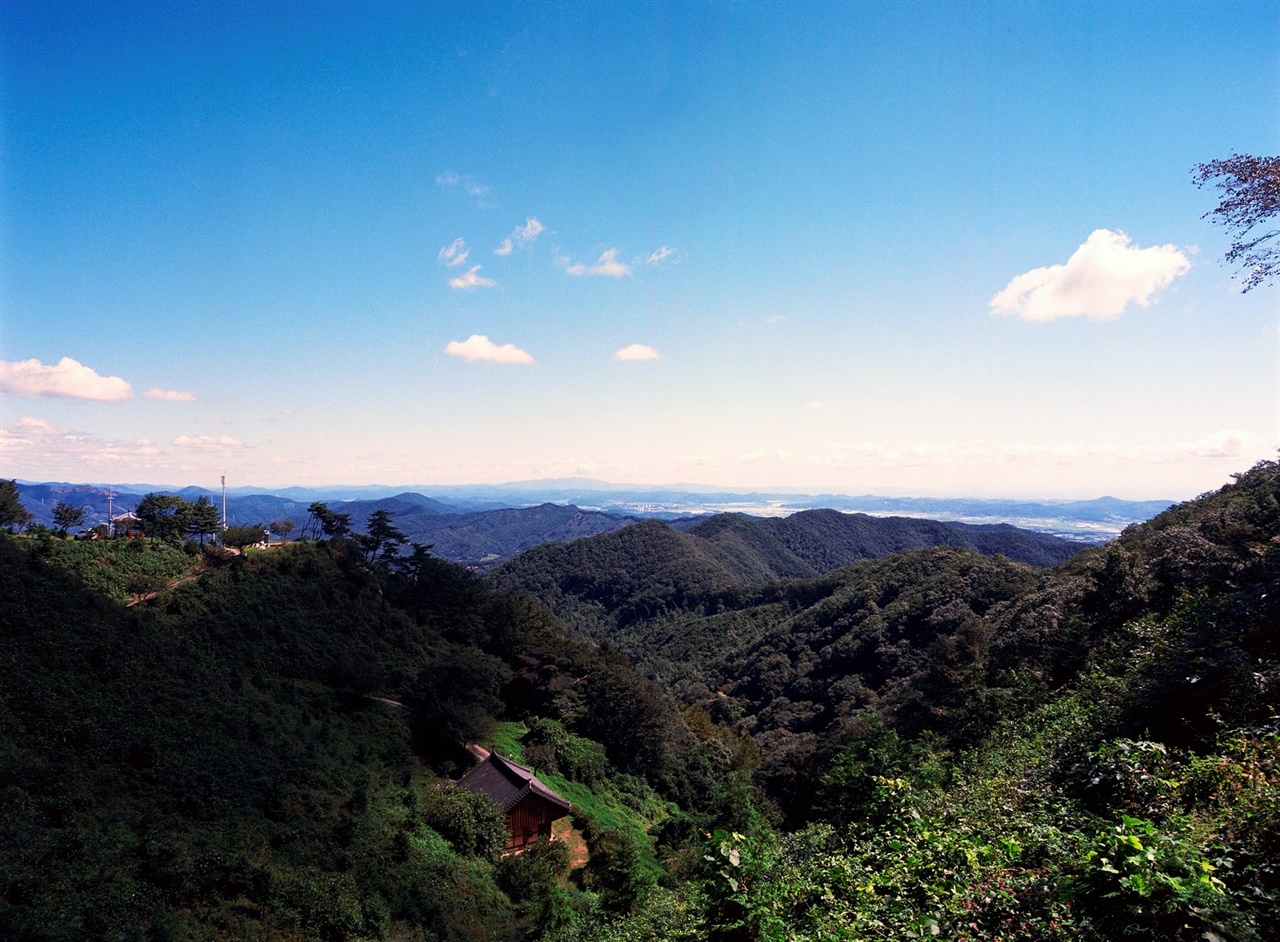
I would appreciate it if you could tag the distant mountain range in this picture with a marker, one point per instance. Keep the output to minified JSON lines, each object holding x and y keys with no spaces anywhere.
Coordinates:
{"x":650,"y":569}
{"x":472,"y":538}
{"x":1094,"y":521}
{"x":788,"y":535}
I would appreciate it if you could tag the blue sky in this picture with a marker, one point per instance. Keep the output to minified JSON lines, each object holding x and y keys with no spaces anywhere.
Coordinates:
{"x":798,"y":246}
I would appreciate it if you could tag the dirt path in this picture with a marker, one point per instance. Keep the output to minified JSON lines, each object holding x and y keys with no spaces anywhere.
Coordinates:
{"x":172,"y":585}
{"x":578,"y":854}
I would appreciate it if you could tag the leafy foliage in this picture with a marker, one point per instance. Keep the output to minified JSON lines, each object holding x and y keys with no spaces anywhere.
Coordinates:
{"x":1084,"y":753}
{"x":240,"y":537}
{"x":12,"y":513}
{"x":212,"y":763}
{"x":202,"y":519}
{"x":1250,"y":188}
{"x":113,"y":568}
{"x":934,"y":744}
{"x":67,"y":517}
{"x":163,"y":516}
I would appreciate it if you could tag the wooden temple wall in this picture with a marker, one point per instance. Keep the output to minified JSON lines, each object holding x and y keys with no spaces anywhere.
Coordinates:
{"x":526,"y":820}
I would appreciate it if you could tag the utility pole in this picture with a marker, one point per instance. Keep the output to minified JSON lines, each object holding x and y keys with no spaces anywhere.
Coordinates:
{"x":111,"y":527}
{"x":224,"y":502}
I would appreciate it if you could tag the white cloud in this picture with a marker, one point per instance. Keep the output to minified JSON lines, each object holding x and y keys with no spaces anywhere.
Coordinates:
{"x":480,"y":349}
{"x":29,"y":426}
{"x":608,"y":264}
{"x":659,"y":255}
{"x":1098,"y":281}
{"x":468,"y":184}
{"x":46,"y":450}
{"x":207,"y":441}
{"x":169,"y":395}
{"x":637,"y":352}
{"x":69,"y":379}
{"x":775,"y":319}
{"x":522,"y":237}
{"x":528,"y":232}
{"x":471,"y":279}
{"x":1227,"y":444}
{"x":454,"y":254}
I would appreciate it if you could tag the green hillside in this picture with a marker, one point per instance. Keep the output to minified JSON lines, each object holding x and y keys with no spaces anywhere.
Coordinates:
{"x":813,"y":542}
{"x":964,"y":747}
{"x":608,"y":584}
{"x":936,"y":743}
{"x":211,"y":764}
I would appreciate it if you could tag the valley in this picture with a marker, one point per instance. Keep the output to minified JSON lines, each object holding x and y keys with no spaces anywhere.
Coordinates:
{"x":817,"y":726}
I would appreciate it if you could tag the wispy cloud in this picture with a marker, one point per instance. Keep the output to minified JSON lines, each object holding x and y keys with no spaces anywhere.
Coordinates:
{"x":44,"y":448}
{"x":1232,"y":443}
{"x":480,"y":349}
{"x":207,"y":441}
{"x":1229,"y":445}
{"x":454,"y":254}
{"x":468,"y":184}
{"x":607,"y":265}
{"x":775,"y":319}
{"x":529,"y":231}
{"x":29,"y":426}
{"x":471,"y":278}
{"x":169,"y":395}
{"x":522,"y":237}
{"x":660,"y":255}
{"x":637,"y":352}
{"x":1099,"y":281}
{"x":67,"y":379}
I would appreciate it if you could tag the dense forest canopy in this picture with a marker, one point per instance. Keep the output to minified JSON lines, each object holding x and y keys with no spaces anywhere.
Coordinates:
{"x":934,"y":742}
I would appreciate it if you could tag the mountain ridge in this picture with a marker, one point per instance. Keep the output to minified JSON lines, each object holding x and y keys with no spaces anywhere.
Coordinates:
{"x":1092,"y":520}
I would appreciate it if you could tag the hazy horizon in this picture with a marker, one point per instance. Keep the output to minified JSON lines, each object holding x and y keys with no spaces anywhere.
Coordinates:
{"x":588,"y":485}
{"x":943,"y":251}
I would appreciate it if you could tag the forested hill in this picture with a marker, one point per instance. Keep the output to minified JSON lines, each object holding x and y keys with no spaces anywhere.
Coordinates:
{"x":486,"y":537}
{"x":938,"y":639}
{"x":813,"y":542}
{"x":474,"y":538}
{"x":934,"y":743}
{"x":651,"y":569}
{"x":970,"y":748}
{"x":212,"y":763}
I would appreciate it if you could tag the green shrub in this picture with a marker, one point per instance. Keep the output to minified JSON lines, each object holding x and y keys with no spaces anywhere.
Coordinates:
{"x":1142,"y":883}
{"x":549,"y":745}
{"x":473,"y":824}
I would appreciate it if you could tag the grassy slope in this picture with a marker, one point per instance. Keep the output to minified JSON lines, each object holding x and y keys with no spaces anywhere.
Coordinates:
{"x":120,"y":570}
{"x":185,"y":768}
{"x":636,"y":810}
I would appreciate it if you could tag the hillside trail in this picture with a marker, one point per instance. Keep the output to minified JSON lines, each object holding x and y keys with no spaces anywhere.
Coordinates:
{"x":229,"y":550}
{"x":172,"y":585}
